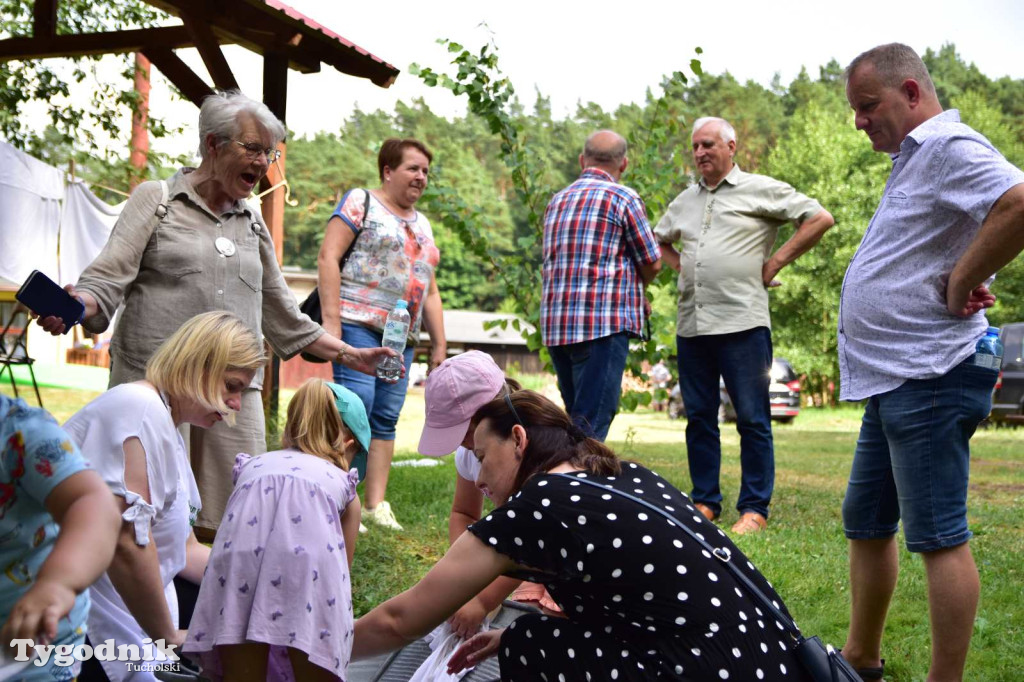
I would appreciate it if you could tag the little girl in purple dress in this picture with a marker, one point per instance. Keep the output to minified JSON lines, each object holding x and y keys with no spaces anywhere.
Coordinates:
{"x":275,"y":602}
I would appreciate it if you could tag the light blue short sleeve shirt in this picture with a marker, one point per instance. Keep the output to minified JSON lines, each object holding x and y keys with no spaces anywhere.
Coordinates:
{"x":36,"y":456}
{"x":893,"y":321}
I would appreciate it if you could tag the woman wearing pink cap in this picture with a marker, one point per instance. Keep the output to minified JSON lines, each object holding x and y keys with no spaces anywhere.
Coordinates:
{"x":459,"y":387}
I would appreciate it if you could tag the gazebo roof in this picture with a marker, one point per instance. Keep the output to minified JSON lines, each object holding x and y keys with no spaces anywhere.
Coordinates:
{"x":271,"y":25}
{"x":283,"y":35}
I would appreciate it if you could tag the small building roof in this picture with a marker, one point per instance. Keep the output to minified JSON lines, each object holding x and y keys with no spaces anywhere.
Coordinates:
{"x":467,"y":326}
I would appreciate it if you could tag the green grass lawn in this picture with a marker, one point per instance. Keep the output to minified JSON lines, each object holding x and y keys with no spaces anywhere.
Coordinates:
{"x":803,"y":552}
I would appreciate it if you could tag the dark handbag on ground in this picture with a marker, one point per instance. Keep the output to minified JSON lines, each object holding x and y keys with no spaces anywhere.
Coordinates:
{"x":311,"y":306}
{"x":821,"y":661}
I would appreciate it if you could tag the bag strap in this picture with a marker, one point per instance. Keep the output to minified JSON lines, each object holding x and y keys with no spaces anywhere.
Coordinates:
{"x":723,"y":554}
{"x":161,"y":208}
{"x":366,"y":211}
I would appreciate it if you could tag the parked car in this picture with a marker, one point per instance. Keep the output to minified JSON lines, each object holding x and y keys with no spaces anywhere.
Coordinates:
{"x":783,"y":395}
{"x":1008,"y":396}
{"x":784,"y":391}
{"x":676,"y":409}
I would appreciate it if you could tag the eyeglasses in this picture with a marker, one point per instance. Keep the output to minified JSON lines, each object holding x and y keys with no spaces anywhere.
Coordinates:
{"x":253,"y":150}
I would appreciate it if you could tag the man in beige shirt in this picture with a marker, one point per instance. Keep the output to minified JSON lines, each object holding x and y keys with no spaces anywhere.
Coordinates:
{"x":727,"y":224}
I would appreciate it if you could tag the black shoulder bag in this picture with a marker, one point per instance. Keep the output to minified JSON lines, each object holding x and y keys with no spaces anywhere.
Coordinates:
{"x":311,"y":306}
{"x":821,"y":661}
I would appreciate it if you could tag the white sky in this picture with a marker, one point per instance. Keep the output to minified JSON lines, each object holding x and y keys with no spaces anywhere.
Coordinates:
{"x":573,"y":52}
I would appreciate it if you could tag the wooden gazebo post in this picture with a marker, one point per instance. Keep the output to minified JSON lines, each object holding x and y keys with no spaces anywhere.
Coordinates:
{"x":275,"y":96}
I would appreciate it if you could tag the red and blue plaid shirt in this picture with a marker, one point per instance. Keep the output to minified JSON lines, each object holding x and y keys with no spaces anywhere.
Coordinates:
{"x":596,"y":234}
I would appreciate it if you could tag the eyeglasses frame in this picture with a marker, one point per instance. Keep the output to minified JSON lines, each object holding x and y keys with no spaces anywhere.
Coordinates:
{"x":272,"y":154}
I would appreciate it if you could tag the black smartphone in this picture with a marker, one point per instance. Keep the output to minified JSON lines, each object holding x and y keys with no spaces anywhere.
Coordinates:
{"x":46,"y":298}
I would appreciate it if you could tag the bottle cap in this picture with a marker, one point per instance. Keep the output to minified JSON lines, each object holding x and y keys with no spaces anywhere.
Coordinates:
{"x":400,"y":303}
{"x":994,"y":331}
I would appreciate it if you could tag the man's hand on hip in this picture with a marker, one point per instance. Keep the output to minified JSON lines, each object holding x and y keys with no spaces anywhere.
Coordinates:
{"x":768,"y":272}
{"x":965,"y":304}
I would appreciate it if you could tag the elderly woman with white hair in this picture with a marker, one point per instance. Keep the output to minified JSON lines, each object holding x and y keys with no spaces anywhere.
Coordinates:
{"x":192,"y":244}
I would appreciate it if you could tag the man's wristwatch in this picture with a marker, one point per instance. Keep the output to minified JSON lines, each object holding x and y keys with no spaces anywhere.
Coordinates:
{"x":341,"y":354}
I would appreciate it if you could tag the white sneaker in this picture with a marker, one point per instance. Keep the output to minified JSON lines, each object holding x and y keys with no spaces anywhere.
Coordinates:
{"x":362,"y":528}
{"x":381,"y":515}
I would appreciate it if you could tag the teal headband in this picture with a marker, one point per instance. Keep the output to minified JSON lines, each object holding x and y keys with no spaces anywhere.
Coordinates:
{"x":352,"y":412}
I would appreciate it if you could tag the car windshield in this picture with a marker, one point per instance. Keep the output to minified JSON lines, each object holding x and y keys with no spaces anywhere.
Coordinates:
{"x":781,"y":371}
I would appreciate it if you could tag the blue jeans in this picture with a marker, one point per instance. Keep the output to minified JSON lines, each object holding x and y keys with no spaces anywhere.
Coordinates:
{"x":590,"y":380}
{"x":913,"y":457}
{"x":383,"y":401}
{"x":744,"y":360}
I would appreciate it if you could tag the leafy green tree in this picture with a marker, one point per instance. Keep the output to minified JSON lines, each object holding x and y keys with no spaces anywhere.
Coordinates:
{"x":953,"y":77}
{"x":491,"y":97}
{"x":978,"y":111}
{"x":87,"y":129}
{"x":823,"y":156}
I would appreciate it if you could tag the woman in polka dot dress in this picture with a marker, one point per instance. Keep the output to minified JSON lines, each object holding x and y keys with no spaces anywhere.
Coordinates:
{"x":642,"y":600}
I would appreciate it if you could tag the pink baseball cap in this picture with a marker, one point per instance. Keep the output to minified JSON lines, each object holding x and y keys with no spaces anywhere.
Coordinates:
{"x":455,"y":390}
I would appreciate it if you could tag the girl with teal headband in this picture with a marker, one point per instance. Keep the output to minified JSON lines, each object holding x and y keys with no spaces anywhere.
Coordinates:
{"x":276,"y":602}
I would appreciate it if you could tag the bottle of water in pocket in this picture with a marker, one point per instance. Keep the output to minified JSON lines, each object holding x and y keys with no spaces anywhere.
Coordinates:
{"x":396,"y":331}
{"x":989,"y":350}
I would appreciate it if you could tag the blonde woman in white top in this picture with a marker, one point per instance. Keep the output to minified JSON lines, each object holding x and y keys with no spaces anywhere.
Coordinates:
{"x":130,"y":436}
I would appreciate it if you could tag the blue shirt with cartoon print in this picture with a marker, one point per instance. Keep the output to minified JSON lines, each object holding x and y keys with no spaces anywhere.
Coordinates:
{"x":35,"y":456}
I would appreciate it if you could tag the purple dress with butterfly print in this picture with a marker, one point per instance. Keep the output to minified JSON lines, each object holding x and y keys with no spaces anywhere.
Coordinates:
{"x":278,"y":572}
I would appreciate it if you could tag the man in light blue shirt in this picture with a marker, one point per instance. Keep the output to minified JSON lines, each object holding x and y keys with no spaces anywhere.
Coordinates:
{"x":911,"y":312}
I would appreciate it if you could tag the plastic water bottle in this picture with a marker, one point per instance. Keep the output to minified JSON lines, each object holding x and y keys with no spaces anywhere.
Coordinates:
{"x":989,"y":351}
{"x":396,"y":331}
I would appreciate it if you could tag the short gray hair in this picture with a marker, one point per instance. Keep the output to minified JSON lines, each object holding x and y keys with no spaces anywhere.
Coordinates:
{"x":725,"y":130}
{"x":605,"y":156}
{"x":218,"y":116}
{"x":894,"y":63}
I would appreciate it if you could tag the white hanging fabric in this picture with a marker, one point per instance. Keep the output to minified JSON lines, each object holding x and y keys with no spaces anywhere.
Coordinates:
{"x":33,"y":220}
{"x":84,"y":229}
{"x":30,"y":211}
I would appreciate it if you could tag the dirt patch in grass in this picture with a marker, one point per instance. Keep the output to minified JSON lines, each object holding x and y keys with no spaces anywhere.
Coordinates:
{"x":989,"y":490}
{"x":1008,"y":463}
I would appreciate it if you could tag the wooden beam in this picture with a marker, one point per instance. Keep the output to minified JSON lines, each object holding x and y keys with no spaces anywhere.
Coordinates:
{"x":44,"y":19}
{"x":275,"y":83}
{"x":230,"y":30}
{"x":209,"y":49}
{"x":178,"y":72}
{"x":301,"y":59}
{"x":170,"y":37}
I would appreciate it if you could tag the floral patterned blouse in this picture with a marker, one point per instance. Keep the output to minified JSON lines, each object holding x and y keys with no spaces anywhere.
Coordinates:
{"x":391,"y":258}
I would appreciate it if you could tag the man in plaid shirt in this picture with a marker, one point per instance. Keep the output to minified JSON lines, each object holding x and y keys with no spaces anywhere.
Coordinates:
{"x":599,"y":255}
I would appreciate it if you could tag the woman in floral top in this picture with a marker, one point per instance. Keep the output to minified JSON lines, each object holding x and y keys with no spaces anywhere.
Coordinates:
{"x":389,"y":255}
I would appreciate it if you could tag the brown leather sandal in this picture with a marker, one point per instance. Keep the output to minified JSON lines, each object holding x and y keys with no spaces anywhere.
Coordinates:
{"x":706,"y":511}
{"x":750,"y":522}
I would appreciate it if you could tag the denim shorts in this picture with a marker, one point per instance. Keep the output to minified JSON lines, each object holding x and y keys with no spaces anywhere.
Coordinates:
{"x":913,"y":457}
{"x":383,"y":401}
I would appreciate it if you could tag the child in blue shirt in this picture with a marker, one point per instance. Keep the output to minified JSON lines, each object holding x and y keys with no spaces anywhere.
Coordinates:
{"x":58,"y":527}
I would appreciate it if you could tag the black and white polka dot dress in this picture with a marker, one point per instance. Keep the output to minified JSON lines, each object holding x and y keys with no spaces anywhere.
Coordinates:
{"x":642,"y":600}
